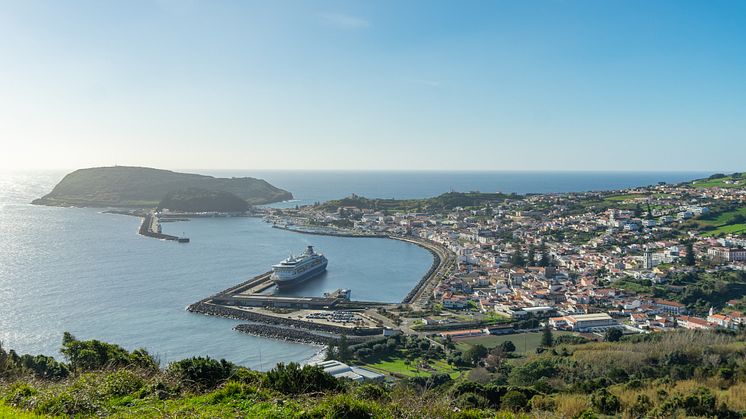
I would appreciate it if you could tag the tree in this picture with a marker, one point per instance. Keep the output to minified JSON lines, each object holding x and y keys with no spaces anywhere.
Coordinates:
{"x":547,"y":339}
{"x":689,"y":259}
{"x":517,"y":258}
{"x":449,"y":343}
{"x":531,"y":259}
{"x":544,"y":255}
{"x":613,"y":335}
{"x":331,"y":351}
{"x":343,"y":348}
{"x":475,"y":354}
{"x":507,"y":346}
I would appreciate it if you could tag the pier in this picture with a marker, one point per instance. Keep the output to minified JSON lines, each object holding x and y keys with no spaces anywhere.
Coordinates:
{"x":150,"y":227}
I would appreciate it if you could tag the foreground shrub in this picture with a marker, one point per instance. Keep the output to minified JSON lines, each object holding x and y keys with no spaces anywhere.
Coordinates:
{"x":292,"y":379}
{"x":345,"y":407}
{"x":514,"y":400}
{"x":202,"y":372}
{"x":93,"y":355}
{"x":605,"y":402}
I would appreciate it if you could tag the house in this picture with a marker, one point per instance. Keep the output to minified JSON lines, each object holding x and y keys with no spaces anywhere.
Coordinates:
{"x":691,"y":322}
{"x":588,"y":322}
{"x":558,"y":323}
{"x":729,"y":254}
{"x":671,"y":307}
{"x":638,"y":319}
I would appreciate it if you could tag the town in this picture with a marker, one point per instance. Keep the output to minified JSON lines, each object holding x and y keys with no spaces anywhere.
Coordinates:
{"x":640,"y":260}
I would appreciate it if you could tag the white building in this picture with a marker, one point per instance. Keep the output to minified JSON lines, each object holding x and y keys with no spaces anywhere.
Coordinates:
{"x":341,"y":370}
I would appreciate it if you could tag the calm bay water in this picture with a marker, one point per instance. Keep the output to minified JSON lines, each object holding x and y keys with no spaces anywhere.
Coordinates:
{"x":90,"y":273}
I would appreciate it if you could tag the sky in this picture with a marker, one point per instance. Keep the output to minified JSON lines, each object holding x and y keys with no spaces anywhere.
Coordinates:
{"x":403,"y":85}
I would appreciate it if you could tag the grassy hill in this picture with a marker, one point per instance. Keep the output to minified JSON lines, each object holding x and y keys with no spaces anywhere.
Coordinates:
{"x":142,"y":187}
{"x":720,"y":180}
{"x":202,"y":200}
{"x":675,"y":374}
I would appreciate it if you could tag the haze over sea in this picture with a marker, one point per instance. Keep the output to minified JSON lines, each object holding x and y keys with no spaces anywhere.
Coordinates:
{"x":90,"y":273}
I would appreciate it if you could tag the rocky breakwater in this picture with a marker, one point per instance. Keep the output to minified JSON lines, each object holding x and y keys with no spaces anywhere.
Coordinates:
{"x":276,"y":326}
{"x":294,"y":334}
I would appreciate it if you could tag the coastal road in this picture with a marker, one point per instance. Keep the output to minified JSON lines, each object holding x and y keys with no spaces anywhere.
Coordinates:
{"x":446,"y":262}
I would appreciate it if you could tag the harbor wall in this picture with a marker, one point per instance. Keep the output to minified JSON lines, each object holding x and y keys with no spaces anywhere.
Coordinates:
{"x":145,"y":229}
{"x":252,"y":316}
{"x":293,"y":334}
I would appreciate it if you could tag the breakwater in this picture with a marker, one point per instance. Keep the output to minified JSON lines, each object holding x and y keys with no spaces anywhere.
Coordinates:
{"x":147,"y":229}
{"x":256,"y":317}
{"x":294,"y":334}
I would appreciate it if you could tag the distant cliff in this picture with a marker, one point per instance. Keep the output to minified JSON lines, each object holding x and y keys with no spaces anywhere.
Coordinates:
{"x":142,"y":187}
{"x":202,"y":200}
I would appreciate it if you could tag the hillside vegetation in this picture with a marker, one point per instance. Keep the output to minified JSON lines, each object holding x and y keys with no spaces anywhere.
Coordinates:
{"x":677,"y":374}
{"x":143,"y":187}
{"x":202,"y":200}
{"x":443,"y":202}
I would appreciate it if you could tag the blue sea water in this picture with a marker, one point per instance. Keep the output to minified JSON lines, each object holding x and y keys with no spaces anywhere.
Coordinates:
{"x":312,"y":186}
{"x":79,"y":270}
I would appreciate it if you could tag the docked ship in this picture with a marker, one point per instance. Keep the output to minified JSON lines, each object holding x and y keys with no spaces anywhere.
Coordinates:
{"x":294,"y":270}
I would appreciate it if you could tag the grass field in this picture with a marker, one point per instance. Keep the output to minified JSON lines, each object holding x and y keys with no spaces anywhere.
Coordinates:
{"x":723,"y":223}
{"x":727,"y":229}
{"x":524,"y":342}
{"x":625,"y":197}
{"x":711,"y":183}
{"x":9,"y":412}
{"x":400,"y":367}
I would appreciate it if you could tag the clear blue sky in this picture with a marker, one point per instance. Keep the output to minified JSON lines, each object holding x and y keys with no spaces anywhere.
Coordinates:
{"x":497,"y":85}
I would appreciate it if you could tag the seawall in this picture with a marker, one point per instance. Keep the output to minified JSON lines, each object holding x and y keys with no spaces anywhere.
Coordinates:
{"x":252,"y":316}
{"x":293,"y":334}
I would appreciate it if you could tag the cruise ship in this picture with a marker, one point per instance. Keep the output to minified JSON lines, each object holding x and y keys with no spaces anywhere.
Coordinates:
{"x":295,"y":270}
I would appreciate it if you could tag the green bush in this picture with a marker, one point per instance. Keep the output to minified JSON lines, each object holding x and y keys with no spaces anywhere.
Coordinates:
{"x":93,"y":355}
{"x":292,"y":379}
{"x":44,"y":367}
{"x":203,"y":372}
{"x":472,"y":400}
{"x":514,"y":400}
{"x":372,"y":392}
{"x":605,"y":402}
{"x":344,"y":407}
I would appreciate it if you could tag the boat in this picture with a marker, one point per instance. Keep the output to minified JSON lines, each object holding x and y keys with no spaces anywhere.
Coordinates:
{"x":294,"y":270}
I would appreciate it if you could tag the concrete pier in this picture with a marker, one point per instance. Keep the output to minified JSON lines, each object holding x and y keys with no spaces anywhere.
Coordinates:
{"x":150,"y":227}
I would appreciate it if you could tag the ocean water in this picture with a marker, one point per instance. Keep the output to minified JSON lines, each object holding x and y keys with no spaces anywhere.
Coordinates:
{"x":312,"y":186}
{"x":79,"y":270}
